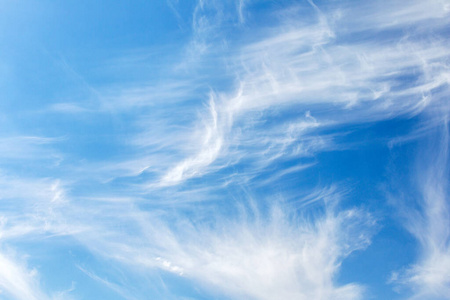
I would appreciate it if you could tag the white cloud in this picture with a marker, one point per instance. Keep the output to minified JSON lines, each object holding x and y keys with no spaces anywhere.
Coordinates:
{"x":279,"y":259}
{"x":18,"y":281}
{"x":303,"y":63}
{"x":307,"y":67}
{"x":70,"y":108}
{"x":429,"y":276}
{"x":119,"y":289}
{"x":260,"y":254}
{"x":32,"y":207}
{"x":210,"y":147}
{"x":28,"y":148}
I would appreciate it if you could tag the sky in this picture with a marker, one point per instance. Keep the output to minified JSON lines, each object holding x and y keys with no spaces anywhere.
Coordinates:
{"x":235,"y":149}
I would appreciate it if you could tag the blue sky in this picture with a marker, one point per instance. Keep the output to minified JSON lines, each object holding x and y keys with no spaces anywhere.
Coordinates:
{"x":224,"y":149}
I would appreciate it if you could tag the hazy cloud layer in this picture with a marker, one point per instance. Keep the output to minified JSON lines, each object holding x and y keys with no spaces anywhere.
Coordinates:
{"x":243,"y":150}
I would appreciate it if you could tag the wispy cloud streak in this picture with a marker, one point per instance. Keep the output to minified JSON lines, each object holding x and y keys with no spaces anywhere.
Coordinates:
{"x":429,"y":277}
{"x":261,"y":254}
{"x":17,"y":281}
{"x":307,"y":63}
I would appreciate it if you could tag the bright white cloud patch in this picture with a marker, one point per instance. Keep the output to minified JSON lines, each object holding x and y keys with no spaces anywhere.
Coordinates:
{"x":255,"y":255}
{"x":18,"y":282}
